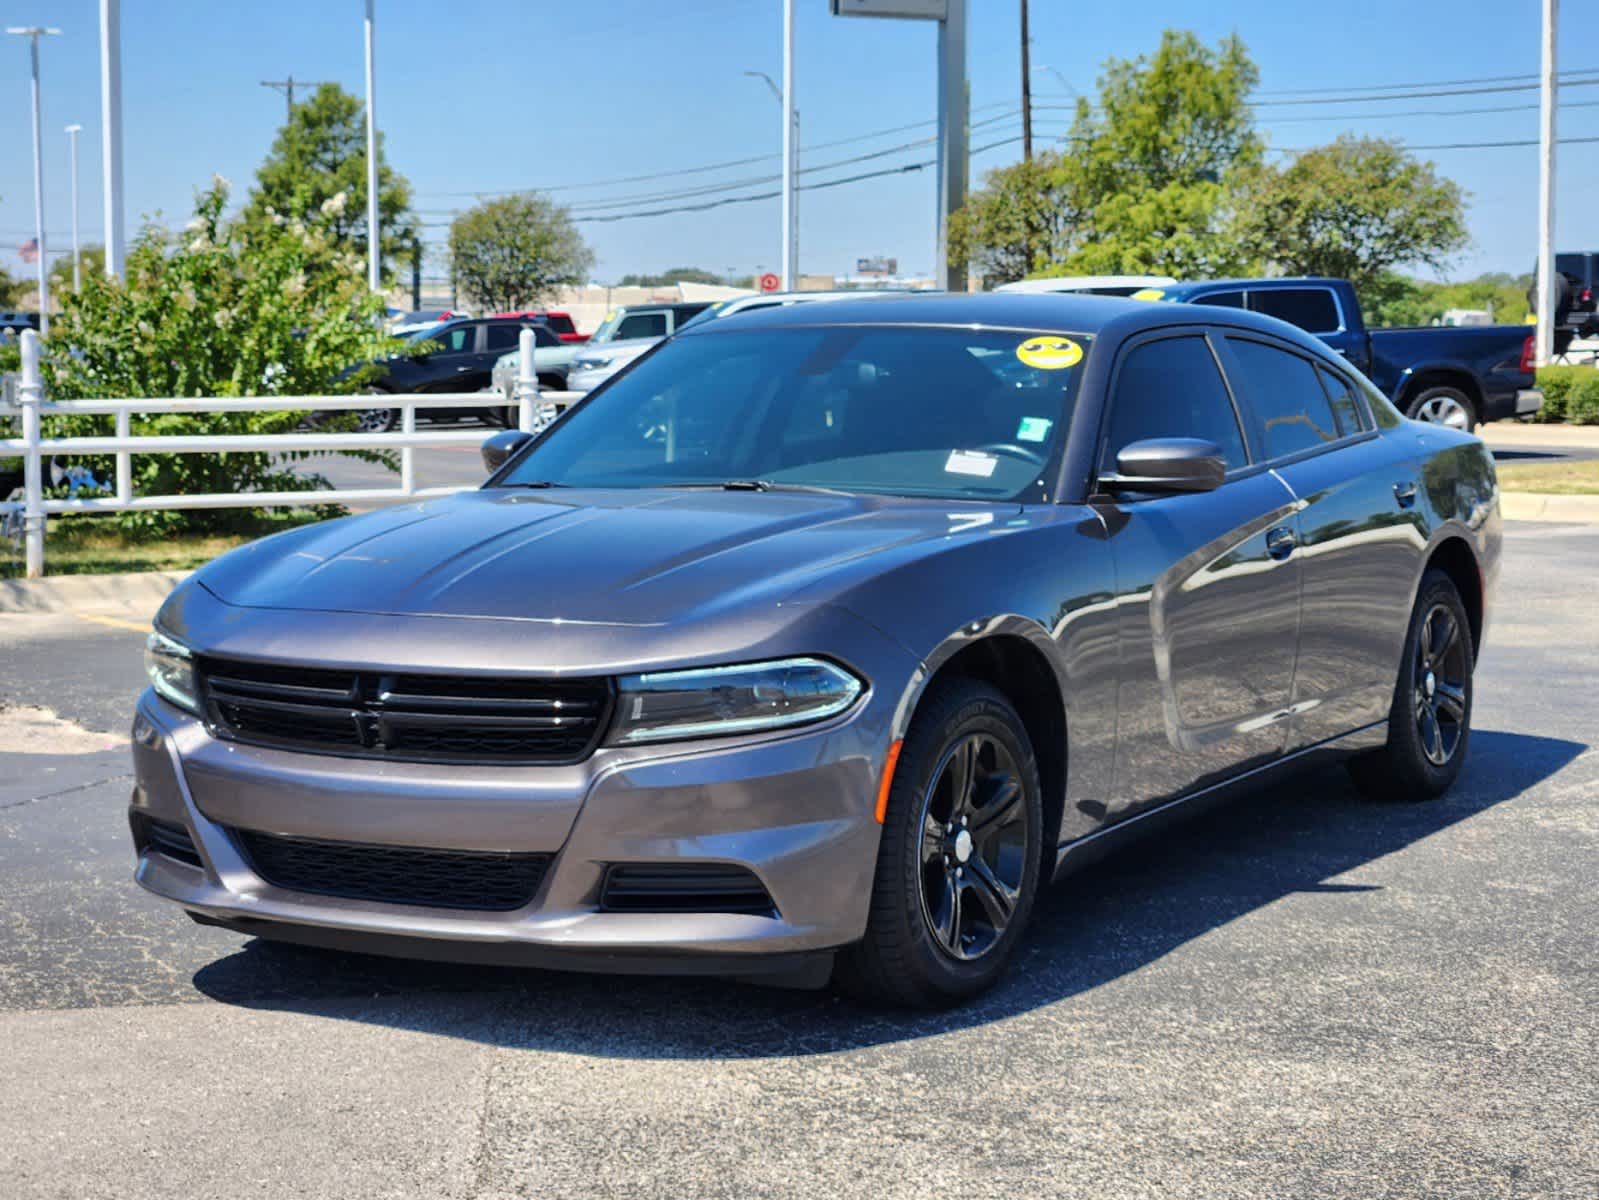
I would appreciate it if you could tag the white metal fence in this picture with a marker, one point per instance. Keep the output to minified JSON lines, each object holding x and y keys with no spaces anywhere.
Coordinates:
{"x":25,"y":398}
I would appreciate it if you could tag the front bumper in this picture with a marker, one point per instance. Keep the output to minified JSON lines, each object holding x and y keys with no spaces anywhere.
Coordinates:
{"x":794,"y":810}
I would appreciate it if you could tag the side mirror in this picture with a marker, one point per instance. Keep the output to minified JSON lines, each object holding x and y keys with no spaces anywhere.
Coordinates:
{"x":500,"y":447}
{"x":1167,"y":465}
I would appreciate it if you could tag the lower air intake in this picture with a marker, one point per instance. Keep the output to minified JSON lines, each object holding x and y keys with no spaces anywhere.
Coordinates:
{"x":684,"y":888}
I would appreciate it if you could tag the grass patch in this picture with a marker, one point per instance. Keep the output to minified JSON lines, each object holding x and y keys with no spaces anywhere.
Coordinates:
{"x":1556,"y":478}
{"x":81,"y":545}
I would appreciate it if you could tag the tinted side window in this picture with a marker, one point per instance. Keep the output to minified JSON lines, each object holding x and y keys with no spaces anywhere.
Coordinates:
{"x":1293,"y":411}
{"x":1172,"y":388}
{"x":457,"y":338}
{"x":1312,"y":309}
{"x":503,"y":336}
{"x":1344,"y":405}
{"x":643,"y":324}
{"x":1222,"y":299}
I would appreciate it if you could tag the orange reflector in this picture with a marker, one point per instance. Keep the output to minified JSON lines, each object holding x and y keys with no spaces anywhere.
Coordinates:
{"x":889,"y":764}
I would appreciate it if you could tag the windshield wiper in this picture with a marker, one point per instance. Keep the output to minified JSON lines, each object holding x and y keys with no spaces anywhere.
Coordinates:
{"x":532,"y":483}
{"x":762,"y":485}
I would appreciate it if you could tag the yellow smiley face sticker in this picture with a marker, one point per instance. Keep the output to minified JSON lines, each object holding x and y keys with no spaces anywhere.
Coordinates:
{"x":1050,"y":353}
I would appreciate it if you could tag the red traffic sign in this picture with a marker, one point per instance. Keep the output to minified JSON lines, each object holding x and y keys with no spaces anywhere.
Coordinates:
{"x":770,"y":282}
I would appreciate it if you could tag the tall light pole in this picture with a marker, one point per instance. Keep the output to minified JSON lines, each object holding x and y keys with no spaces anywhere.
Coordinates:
{"x":33,"y":33}
{"x":952,"y":150}
{"x":790,"y":156}
{"x":790,"y":184}
{"x":1027,"y":92}
{"x":111,"y":131}
{"x":1544,"y":334}
{"x":77,"y":253}
{"x":373,"y":231}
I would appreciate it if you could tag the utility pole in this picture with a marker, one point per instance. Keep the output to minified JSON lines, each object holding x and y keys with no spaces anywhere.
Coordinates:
{"x":374,"y":231}
{"x":952,"y":148}
{"x":33,"y":33}
{"x":287,"y":86}
{"x":791,"y":218}
{"x":790,"y":154}
{"x":1544,"y":343}
{"x":111,"y":131}
{"x":77,"y":253}
{"x":1027,"y":92}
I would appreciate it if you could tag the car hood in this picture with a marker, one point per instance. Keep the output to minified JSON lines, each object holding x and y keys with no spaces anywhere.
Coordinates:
{"x":625,"y":348}
{"x":639,"y":558}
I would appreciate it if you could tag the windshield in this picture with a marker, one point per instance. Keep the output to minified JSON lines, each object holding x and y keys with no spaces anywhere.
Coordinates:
{"x":954,"y":413}
{"x":426,"y":332}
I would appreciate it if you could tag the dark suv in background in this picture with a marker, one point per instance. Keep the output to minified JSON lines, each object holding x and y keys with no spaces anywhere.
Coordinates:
{"x":462,"y":361}
{"x":1576,"y":293}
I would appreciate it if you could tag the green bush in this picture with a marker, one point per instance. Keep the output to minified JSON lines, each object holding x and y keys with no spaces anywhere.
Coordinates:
{"x":1582,"y":401}
{"x":1557,"y":384}
{"x":221,"y":309}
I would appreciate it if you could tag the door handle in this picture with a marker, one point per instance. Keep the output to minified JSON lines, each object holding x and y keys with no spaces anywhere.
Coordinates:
{"x":1405,"y":494}
{"x":1280,"y":542}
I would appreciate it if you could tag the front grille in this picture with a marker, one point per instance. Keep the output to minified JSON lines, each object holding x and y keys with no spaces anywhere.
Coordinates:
{"x":154,"y":836}
{"x":413,"y":718}
{"x":486,"y":881}
{"x":683,"y":888}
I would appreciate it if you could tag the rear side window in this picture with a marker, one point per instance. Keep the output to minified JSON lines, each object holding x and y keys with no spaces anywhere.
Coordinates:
{"x":1312,"y":309}
{"x":640,"y":325}
{"x":503,"y":336}
{"x":1294,"y":413}
{"x":1222,"y":299}
{"x":560,"y":323}
{"x":1344,"y":405}
{"x":1172,"y":388}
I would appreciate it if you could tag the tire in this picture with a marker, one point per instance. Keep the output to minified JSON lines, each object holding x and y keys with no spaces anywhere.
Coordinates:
{"x":1444,"y":406}
{"x":938,"y":932}
{"x":376,"y":420}
{"x":1429,"y":724}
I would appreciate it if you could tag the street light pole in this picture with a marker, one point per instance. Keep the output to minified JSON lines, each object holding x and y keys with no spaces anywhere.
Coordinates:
{"x":952,"y":151}
{"x":373,"y":230}
{"x":77,"y":253}
{"x":111,"y":130}
{"x":790,"y":182}
{"x":790,"y":156}
{"x":33,"y":33}
{"x":1544,"y":333}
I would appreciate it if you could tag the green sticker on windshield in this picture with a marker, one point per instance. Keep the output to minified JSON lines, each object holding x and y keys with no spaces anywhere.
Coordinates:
{"x":1033,"y":429}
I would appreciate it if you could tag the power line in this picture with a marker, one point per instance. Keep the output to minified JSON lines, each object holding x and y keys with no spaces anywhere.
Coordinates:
{"x":1431,"y":112}
{"x":1423,"y":95}
{"x":1427,"y":83}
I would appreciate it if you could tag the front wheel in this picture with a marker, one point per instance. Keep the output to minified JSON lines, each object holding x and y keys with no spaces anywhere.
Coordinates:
{"x":1429,"y":724}
{"x":959,"y":863}
{"x":1444,"y":406}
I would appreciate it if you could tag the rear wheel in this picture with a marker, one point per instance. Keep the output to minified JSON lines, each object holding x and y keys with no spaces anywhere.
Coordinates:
{"x":377,"y":420}
{"x":1444,"y":406}
{"x":1429,"y":724}
{"x":959,"y":863}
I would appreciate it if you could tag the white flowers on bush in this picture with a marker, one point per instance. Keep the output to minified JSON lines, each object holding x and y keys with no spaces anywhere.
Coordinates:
{"x":335,"y":204}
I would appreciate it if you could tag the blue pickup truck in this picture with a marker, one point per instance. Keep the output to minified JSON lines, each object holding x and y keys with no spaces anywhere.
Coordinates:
{"x":1456,"y":375}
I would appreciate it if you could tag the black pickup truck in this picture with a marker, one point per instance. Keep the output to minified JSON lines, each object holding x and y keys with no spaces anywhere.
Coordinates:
{"x":1456,"y":375}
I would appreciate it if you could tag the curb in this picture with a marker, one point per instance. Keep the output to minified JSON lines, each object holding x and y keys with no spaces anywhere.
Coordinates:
{"x":137,"y":591}
{"x":1534,"y":506}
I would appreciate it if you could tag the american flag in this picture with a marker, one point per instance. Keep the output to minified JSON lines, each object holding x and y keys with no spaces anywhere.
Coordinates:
{"x":29,"y":250}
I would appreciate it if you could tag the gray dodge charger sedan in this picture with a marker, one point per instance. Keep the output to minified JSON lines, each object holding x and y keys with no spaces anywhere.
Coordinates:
{"x":817,"y":642}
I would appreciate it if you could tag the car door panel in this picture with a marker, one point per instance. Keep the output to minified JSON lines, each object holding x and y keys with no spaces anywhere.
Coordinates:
{"x":1208,"y":617}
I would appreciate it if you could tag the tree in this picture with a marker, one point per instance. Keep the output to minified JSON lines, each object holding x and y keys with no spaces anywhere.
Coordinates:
{"x":61,"y":269}
{"x":514,"y":252}
{"x":218,"y":310}
{"x":1357,"y":208}
{"x":319,"y":155}
{"x":12,"y":289}
{"x":1149,"y":180}
{"x":671,"y":277}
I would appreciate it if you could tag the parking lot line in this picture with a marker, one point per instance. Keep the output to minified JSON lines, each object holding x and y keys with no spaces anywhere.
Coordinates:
{"x":113,"y":622}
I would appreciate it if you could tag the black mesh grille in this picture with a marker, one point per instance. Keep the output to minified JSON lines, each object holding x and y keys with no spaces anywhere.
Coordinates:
{"x":471,"y":879}
{"x":683,"y":888}
{"x":155,"y":836}
{"x":417,"y":718}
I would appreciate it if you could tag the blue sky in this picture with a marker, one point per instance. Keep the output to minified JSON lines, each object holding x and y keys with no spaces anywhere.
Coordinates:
{"x":483,"y":96}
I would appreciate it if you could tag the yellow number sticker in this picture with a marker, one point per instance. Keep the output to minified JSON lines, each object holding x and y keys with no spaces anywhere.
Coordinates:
{"x":1148,"y":294}
{"x":1050,"y":353}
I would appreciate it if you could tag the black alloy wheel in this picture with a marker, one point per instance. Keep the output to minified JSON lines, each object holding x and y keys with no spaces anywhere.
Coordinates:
{"x":1440,"y":684}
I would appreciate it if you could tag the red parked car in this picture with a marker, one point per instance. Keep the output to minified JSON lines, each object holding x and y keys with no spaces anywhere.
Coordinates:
{"x":560,"y":323}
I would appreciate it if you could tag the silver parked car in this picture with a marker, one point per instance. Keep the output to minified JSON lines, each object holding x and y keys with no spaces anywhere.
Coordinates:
{"x":644,"y":324}
{"x":818,"y":642}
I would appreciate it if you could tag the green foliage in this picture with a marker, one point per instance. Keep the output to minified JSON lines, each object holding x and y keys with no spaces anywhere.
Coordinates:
{"x":513,"y":252}
{"x":318,"y":157}
{"x":279,"y":308}
{"x":1557,"y":383}
{"x":1146,"y":185}
{"x":12,"y":289}
{"x":61,"y":269}
{"x":1392,"y":299}
{"x":673,"y":275}
{"x":1582,"y":400}
{"x":1355,"y":209}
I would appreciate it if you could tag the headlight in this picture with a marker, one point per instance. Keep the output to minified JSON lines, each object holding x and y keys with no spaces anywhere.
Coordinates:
{"x":592,"y":364}
{"x":716,"y":701}
{"x":170,"y":667}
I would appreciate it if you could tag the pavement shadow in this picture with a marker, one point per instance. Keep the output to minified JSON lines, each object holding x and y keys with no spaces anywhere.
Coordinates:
{"x":1107,"y":921}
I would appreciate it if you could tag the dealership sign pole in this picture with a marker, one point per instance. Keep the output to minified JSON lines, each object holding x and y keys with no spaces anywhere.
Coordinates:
{"x":790,"y":152}
{"x":952,"y":151}
{"x":1545,"y":333}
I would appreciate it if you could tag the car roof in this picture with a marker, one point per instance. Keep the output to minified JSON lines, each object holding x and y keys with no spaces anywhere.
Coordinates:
{"x":1065,"y":313}
{"x":1082,"y":283}
{"x":1251,"y":284}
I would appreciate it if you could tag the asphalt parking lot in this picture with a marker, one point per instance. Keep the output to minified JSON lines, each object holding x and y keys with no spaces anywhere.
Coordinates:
{"x":1300,"y":995}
